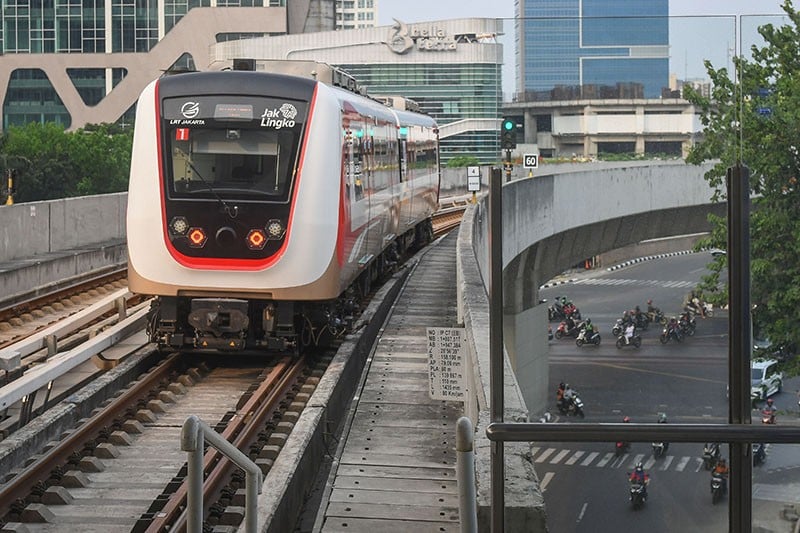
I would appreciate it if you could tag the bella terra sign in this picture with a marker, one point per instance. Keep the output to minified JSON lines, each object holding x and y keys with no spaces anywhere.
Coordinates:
{"x":426,"y":39}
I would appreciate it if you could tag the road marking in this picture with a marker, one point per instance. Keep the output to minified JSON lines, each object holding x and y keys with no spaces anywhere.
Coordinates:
{"x":682,"y":463}
{"x":649,"y":464}
{"x":699,"y":465}
{"x":545,"y":480}
{"x":667,"y":374}
{"x":583,"y":510}
{"x":667,"y":461}
{"x":637,"y":459}
{"x":545,"y":454}
{"x":574,"y":459}
{"x":590,"y":458}
{"x":604,"y":461}
{"x":621,"y":462}
{"x":557,"y":459}
{"x":535,"y":450}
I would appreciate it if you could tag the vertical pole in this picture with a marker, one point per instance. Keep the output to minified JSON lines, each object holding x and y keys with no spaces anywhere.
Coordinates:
{"x":465,"y":475}
{"x":739,"y":328}
{"x":192,"y":442}
{"x":10,"y":183}
{"x":496,"y":343}
{"x":252,"y":484}
{"x":508,"y":165}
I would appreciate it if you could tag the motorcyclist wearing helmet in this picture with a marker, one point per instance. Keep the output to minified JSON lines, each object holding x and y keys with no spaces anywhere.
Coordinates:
{"x":769,"y":411}
{"x":588,"y":328}
{"x":640,"y":477}
{"x":630,"y":331}
{"x":721,"y":471}
{"x":662,"y":419}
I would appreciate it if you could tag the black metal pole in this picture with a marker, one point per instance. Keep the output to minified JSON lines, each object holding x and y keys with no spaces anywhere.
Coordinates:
{"x":740,"y":513}
{"x":496,"y":344}
{"x":508,"y":165}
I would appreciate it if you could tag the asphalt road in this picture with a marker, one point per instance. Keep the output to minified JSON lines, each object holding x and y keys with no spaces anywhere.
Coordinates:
{"x":585,"y":487}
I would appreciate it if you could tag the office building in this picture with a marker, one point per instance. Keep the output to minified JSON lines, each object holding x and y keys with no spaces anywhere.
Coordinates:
{"x":573,"y":49}
{"x":82,"y":62}
{"x":451,"y":68}
{"x":352,"y":14}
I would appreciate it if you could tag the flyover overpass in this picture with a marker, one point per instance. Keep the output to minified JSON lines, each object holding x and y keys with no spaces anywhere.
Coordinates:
{"x":550,"y":222}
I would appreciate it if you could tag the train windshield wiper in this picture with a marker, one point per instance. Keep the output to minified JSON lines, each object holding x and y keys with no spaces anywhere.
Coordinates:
{"x":230,"y":211}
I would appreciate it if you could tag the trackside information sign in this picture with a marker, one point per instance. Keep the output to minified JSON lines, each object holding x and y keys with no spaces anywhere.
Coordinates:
{"x":446,"y":353}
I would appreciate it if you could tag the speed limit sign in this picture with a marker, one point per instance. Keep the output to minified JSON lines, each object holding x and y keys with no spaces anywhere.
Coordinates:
{"x":530,"y":161}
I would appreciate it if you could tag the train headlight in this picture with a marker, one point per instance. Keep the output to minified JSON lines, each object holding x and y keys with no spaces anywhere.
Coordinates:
{"x":179,"y":225}
{"x":256,"y":239}
{"x":197,"y":237}
{"x":275,"y":229}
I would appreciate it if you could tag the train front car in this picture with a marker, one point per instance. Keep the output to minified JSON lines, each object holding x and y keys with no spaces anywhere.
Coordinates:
{"x":232,"y":222}
{"x":261,"y":206}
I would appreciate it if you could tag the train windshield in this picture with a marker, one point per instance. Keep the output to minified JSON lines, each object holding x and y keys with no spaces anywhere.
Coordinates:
{"x":236,"y":153}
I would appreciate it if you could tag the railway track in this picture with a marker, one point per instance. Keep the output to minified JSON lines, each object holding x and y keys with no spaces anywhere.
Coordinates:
{"x":122,"y":469}
{"x":119,"y":467}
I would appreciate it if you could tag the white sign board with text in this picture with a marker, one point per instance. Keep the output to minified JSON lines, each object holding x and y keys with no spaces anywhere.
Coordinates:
{"x":446,"y":353}
{"x":530,"y":161}
{"x":473,"y":179}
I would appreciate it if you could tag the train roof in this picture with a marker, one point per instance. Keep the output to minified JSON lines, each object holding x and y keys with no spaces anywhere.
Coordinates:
{"x":221,"y":82}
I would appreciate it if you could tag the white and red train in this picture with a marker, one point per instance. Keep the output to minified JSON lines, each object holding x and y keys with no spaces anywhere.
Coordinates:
{"x":261,"y":204}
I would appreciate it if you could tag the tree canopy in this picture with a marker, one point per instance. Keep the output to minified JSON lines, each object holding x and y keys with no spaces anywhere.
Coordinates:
{"x":755,"y":119}
{"x":52,"y":163}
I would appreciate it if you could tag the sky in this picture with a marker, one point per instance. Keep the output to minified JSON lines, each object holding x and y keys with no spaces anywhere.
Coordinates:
{"x":699,"y":29}
{"x":419,"y":10}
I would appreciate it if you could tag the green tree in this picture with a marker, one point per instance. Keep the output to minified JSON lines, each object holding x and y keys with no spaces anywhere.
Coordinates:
{"x":757,"y":120}
{"x":463,"y":161}
{"x":52,"y":163}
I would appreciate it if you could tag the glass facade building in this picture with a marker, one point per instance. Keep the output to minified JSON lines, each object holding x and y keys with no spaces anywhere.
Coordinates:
{"x":451,"y":68}
{"x":623,"y":44}
{"x":84,"y":27}
{"x":448,"y":93}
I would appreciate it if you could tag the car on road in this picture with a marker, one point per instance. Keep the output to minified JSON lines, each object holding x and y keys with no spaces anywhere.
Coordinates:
{"x":766,"y":378}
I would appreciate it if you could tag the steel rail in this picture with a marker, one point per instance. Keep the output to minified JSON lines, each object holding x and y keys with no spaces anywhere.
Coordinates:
{"x":40,"y":471}
{"x":241,"y":432}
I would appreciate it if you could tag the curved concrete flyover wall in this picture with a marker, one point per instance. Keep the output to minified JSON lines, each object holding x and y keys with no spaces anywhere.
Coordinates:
{"x":549,"y":223}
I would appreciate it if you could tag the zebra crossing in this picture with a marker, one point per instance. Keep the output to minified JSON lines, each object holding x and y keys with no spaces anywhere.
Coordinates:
{"x":640,"y":282}
{"x":627,"y":461}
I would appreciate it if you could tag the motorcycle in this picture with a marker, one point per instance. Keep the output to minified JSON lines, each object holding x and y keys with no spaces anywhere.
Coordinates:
{"x":621,"y":448}
{"x":618,"y":328}
{"x":594,"y":339}
{"x":759,"y":454}
{"x":710,"y":455}
{"x":571,"y":310}
{"x":637,"y":495}
{"x":657,"y":316}
{"x":636,"y":341}
{"x":671,"y":331}
{"x":572,"y":406}
{"x":687,"y":325}
{"x":659,"y":449}
{"x":641,"y":321}
{"x":719,"y":486}
{"x":564,"y":331}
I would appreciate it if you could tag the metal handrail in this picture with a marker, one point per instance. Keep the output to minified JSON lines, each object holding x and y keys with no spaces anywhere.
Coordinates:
{"x":194,"y":432}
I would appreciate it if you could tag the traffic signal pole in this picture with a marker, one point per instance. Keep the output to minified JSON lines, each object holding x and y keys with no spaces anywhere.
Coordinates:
{"x":508,"y":166}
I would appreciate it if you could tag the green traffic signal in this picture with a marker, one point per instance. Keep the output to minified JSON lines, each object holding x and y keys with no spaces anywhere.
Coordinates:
{"x":508,"y":134}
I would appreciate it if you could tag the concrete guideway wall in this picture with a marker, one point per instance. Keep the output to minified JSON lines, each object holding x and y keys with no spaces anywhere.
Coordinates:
{"x":547,"y":224}
{"x":44,"y":244}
